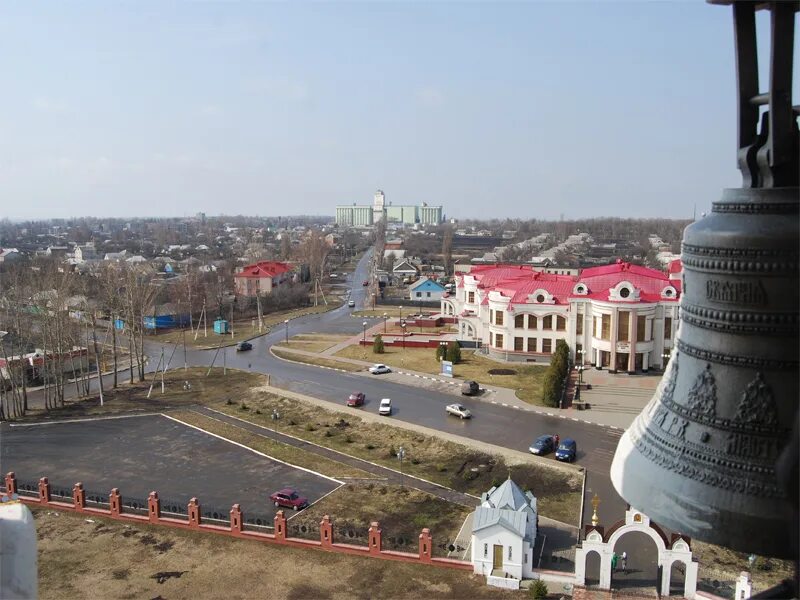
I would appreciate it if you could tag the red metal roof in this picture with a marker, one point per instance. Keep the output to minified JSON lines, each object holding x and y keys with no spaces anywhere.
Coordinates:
{"x":519,"y":282}
{"x":676,"y":266}
{"x":265,"y":268}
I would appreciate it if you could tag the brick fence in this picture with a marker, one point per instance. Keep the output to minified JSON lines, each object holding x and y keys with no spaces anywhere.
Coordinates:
{"x":194,"y":521}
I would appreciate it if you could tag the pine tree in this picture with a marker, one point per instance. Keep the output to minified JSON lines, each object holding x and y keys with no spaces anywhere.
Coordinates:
{"x":377,"y":344}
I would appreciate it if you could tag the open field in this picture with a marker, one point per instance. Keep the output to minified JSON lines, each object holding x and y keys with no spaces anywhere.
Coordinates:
{"x":290,"y":454}
{"x":313,"y":342}
{"x":243,"y":329}
{"x":316,"y":360}
{"x":527,"y":380}
{"x":101,"y":558}
{"x":443,"y":462}
{"x":401,"y":511}
{"x":126,"y":398}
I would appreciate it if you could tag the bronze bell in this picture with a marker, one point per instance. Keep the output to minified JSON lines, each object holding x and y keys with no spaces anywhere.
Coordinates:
{"x":701,"y":457}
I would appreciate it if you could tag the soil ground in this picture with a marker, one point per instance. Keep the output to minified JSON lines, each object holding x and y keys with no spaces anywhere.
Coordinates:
{"x":317,"y":360}
{"x":401,"y":511}
{"x":101,"y":558}
{"x":314,"y":342}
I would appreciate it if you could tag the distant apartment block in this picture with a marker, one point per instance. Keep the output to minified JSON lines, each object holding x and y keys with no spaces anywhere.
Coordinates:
{"x":356,"y":215}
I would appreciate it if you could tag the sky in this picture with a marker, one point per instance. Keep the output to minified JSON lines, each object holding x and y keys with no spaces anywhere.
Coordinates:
{"x":520,"y":110}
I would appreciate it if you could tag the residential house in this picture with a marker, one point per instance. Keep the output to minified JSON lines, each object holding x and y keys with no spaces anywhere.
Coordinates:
{"x":85,"y":253}
{"x":166,"y":316}
{"x":261,"y":277}
{"x":9,"y":255}
{"x":405,"y":268}
{"x":425,"y":290}
{"x":116,"y":256}
{"x":504,"y":529}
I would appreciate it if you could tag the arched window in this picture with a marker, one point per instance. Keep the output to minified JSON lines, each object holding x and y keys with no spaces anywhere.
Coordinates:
{"x":561,"y":324}
{"x":547,"y":322}
{"x":532,"y":324}
{"x":519,"y":321}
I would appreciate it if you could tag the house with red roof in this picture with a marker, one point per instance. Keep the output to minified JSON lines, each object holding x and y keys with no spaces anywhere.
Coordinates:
{"x":621,"y":316}
{"x":260,"y":278}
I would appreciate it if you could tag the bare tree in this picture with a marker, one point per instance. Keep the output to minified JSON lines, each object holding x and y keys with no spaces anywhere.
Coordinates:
{"x":447,"y":249}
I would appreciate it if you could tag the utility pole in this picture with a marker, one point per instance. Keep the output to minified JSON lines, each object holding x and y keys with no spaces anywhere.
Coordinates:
{"x":184,"y":350}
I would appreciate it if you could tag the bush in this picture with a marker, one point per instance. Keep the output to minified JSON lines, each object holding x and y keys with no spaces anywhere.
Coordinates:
{"x":454,"y":353}
{"x":244,"y":406}
{"x":441,"y":352}
{"x":348,"y":438}
{"x":310,"y":427}
{"x":369,"y":447}
{"x":377,"y":344}
{"x":538,"y":590}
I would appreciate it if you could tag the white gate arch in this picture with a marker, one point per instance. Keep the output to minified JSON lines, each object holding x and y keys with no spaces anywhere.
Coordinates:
{"x":668,"y":552}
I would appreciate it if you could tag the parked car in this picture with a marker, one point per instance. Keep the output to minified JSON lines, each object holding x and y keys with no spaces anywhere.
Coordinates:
{"x":365,"y":283}
{"x":242,"y":346}
{"x":289,"y":498}
{"x":567,"y":450}
{"x":356,"y":399}
{"x":458,"y":410}
{"x":377,"y":369}
{"x":470,"y":388}
{"x":351,"y":304}
{"x":544,"y":444}
{"x":386,"y":407}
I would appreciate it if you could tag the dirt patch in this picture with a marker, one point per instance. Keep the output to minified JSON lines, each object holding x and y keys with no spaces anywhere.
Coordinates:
{"x":502,"y":372}
{"x":401,"y":511}
{"x":74,"y":559}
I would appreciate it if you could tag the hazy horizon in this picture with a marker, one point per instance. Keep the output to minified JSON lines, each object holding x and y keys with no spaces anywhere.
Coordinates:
{"x":523,"y":111}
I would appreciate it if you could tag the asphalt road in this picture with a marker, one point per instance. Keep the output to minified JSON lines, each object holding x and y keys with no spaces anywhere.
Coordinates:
{"x":141,"y":454}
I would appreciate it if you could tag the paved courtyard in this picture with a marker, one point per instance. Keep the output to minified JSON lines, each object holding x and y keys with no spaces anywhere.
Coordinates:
{"x":141,"y":454}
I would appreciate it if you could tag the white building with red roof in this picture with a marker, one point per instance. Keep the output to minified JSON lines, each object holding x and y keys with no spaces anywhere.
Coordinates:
{"x":619,"y":316}
{"x":261,"y":277}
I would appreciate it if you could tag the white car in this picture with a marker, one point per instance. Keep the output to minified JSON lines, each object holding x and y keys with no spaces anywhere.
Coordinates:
{"x":386,"y":407}
{"x":459,"y":410}
{"x":351,"y":304}
{"x":379,"y":368}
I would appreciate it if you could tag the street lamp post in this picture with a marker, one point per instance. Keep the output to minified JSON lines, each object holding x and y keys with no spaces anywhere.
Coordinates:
{"x":364,"y":341}
{"x":385,"y":316}
{"x":373,"y":300}
{"x":401,"y":313}
{"x":403,"y":327}
{"x":275,"y":416}
{"x":286,"y":323}
{"x":401,"y":453}
{"x":664,"y":359}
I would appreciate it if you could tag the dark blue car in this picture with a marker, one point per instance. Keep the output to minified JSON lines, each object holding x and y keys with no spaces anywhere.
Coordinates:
{"x":567,"y":450}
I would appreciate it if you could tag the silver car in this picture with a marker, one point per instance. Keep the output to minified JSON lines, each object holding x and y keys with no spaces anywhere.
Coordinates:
{"x":458,"y":410}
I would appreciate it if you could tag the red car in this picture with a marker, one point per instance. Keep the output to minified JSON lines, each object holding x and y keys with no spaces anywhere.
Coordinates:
{"x":289,"y":498}
{"x":356,"y":399}
{"x":365,"y":283}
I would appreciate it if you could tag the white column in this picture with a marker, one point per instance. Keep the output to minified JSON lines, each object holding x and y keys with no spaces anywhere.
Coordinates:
{"x":666,"y":572}
{"x":605,"y":570}
{"x":690,"y":581}
{"x":744,"y":586}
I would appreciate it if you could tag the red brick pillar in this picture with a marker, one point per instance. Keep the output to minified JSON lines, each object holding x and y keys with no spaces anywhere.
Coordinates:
{"x":425,"y":545}
{"x":78,"y":497}
{"x":326,"y":532}
{"x":115,"y":500}
{"x":194,"y":513}
{"x":11,"y":483}
{"x":153,"y":507}
{"x":374,"y":538}
{"x":44,"y":490}
{"x":236,"y":519}
{"x":280,"y":526}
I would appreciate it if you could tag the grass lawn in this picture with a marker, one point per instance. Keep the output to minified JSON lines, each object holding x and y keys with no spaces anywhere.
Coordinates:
{"x":316,"y":360}
{"x":126,"y":398}
{"x":527,"y":380}
{"x":242,"y":328}
{"x":393,"y":507}
{"x":314,"y":342}
{"x":393,"y":311}
{"x":101,"y":558}
{"x":289,"y":454}
{"x":447,"y":463}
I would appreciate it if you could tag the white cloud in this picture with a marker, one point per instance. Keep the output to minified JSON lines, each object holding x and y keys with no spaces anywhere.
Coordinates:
{"x":48,"y":105}
{"x":429,"y":97}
